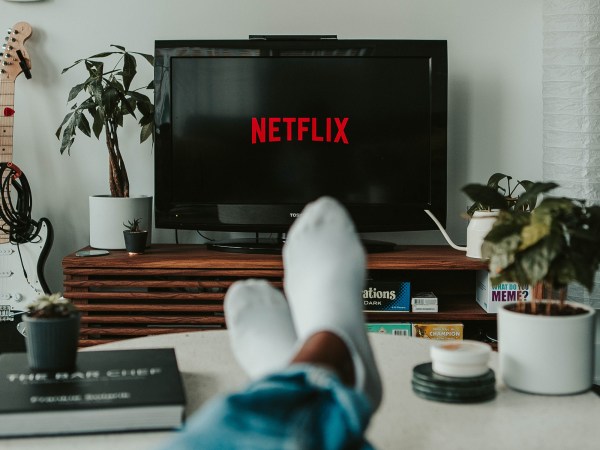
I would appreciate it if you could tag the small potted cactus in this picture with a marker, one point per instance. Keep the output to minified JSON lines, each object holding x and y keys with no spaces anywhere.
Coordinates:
{"x":51,"y":334}
{"x":135,"y":237}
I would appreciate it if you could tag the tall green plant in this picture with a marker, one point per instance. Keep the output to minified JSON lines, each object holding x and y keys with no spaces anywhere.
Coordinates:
{"x":110,"y":98}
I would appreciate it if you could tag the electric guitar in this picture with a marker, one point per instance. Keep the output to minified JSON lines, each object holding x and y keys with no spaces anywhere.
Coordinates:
{"x":21,"y":265}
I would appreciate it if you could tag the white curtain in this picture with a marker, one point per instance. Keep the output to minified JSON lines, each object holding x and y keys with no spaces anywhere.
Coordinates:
{"x":571,"y":104}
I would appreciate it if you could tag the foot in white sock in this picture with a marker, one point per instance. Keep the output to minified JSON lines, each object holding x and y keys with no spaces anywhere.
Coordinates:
{"x":324,"y":276}
{"x":260,"y":327}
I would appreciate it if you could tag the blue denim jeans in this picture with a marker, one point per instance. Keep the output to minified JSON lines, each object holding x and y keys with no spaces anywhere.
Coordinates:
{"x":302,"y":407}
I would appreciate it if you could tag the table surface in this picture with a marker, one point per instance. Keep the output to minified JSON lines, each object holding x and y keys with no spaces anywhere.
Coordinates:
{"x":512,"y":420}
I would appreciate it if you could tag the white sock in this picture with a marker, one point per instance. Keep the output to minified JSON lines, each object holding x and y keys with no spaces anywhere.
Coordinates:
{"x":325,"y":272}
{"x":260,"y":327}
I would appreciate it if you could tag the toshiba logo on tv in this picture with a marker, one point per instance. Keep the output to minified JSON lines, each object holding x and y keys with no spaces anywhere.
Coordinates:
{"x":277,"y":129}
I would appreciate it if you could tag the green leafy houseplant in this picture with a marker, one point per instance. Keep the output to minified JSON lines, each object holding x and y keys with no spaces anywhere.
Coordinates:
{"x":110,"y":97}
{"x":557,"y":243}
{"x":498,"y":193}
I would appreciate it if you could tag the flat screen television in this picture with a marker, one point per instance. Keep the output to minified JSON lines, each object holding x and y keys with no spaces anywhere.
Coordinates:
{"x":249,"y":131}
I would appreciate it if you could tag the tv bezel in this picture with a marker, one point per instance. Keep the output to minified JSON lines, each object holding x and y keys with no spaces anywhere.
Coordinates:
{"x":277,"y":218}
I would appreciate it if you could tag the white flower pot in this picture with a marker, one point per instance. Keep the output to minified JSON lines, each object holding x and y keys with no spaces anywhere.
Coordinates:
{"x":547,"y":354}
{"x":107,"y":215}
{"x":479,"y":226}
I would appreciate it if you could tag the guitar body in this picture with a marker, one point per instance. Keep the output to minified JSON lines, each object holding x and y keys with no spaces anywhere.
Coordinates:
{"x":21,"y":265}
{"x":22,"y":269}
{"x":21,"y":282}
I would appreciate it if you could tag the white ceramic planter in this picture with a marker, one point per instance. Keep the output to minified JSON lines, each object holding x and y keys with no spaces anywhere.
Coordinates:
{"x":107,"y":215}
{"x":547,"y":354}
{"x":479,"y":226}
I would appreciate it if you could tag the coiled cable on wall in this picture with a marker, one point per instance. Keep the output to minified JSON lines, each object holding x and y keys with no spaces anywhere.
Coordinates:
{"x":16,"y":216}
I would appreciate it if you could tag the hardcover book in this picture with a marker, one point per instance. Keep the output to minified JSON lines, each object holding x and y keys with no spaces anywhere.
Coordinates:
{"x":115,"y":390}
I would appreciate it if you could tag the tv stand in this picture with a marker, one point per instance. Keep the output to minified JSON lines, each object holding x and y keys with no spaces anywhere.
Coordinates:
{"x":253,"y":246}
{"x":179,"y":288}
{"x":275,"y":246}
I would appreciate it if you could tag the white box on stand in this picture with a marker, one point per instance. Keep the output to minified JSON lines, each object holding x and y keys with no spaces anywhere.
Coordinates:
{"x":490,"y":297}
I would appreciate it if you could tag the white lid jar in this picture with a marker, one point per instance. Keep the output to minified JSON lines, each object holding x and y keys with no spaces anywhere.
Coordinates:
{"x":460,"y":358}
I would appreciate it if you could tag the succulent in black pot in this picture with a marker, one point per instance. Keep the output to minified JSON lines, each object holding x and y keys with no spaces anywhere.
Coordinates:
{"x":135,"y":237}
{"x":51,"y":334}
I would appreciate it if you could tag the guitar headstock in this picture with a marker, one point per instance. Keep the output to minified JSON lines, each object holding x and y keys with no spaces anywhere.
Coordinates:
{"x":12,"y":65}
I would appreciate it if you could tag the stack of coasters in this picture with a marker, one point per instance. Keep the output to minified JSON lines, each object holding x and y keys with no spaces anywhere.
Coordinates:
{"x":458,"y":373}
{"x":432,"y":386}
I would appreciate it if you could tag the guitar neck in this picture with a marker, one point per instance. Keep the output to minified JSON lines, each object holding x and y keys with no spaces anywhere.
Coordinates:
{"x":7,"y":103}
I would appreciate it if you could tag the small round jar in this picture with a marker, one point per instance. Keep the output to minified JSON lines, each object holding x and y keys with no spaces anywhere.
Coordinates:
{"x":460,"y":358}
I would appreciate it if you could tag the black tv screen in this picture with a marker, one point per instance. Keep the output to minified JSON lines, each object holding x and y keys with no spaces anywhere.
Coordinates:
{"x":250,"y":131}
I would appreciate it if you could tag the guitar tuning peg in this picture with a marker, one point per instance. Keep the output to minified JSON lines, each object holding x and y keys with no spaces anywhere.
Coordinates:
{"x":9,"y":30}
{"x":16,"y":32}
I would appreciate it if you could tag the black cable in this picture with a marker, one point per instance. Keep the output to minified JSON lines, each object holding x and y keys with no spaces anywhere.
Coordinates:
{"x":18,"y":224}
{"x":204,"y":236}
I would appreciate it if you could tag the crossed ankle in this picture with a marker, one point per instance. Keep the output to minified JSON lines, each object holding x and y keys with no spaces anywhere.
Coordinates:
{"x":327,"y":349}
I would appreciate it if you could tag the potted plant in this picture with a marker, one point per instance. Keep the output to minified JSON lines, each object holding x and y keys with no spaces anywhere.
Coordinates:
{"x":135,"y":238}
{"x":108,"y":96}
{"x":546,"y":345}
{"x":490,"y":198}
{"x":51,"y":333}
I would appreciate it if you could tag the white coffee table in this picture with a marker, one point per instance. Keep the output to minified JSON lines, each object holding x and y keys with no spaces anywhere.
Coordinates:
{"x":512,"y":421}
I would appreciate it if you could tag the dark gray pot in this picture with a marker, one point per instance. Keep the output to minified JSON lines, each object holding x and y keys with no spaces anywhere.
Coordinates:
{"x":52,"y":343}
{"x":135,"y":241}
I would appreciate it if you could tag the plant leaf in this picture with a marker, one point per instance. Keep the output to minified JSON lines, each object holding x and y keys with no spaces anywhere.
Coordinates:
{"x":146,"y":56}
{"x":528,"y":199}
{"x":120,"y":47}
{"x":146,"y":131}
{"x":67,"y":117}
{"x":84,"y":125}
{"x":94,"y":68}
{"x":102,"y":55}
{"x":75,"y":91}
{"x":495,"y":179}
{"x":110,"y":102}
{"x":71,"y":66}
{"x":129,"y":70}
{"x":97,"y":124}
{"x":68,"y":136}
{"x":486,"y":196}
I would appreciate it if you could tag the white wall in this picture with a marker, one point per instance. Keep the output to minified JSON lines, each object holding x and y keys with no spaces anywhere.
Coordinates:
{"x":495,"y":71}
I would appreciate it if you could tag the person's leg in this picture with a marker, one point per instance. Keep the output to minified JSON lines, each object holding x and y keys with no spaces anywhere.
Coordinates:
{"x":325,"y":272}
{"x":329,"y":351}
{"x":260,"y":327}
{"x":326,"y":397}
{"x":310,"y":405}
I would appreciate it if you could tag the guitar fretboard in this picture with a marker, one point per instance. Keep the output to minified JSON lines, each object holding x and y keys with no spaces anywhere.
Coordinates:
{"x":7,"y":100}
